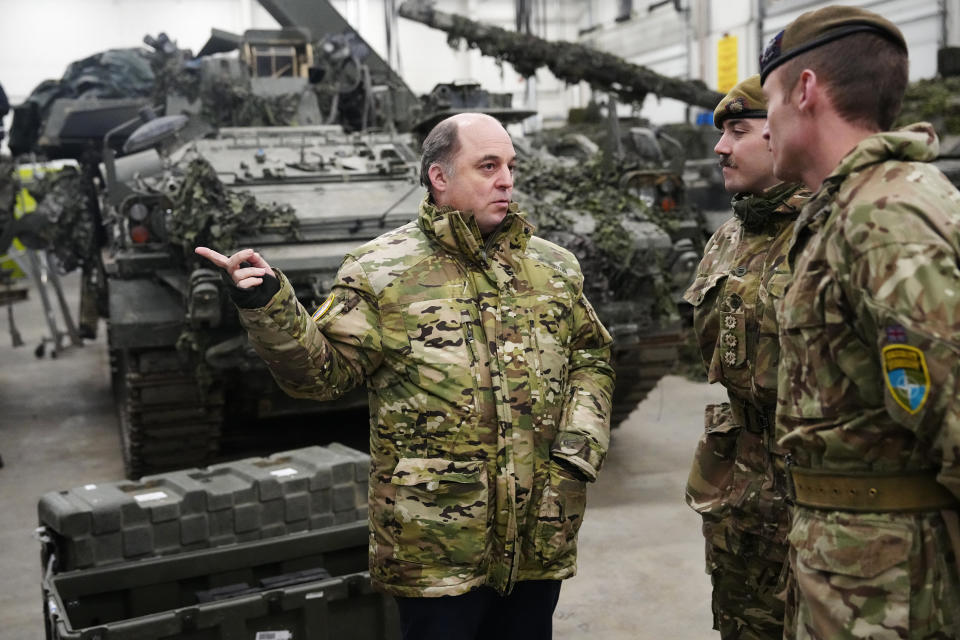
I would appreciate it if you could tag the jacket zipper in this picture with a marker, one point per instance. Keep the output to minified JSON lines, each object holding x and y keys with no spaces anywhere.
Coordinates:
{"x":488,"y":243}
{"x":467,"y":321}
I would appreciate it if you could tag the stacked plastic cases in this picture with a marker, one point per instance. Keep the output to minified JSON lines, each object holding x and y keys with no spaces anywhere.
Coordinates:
{"x":300,"y":490}
{"x":274,"y":545}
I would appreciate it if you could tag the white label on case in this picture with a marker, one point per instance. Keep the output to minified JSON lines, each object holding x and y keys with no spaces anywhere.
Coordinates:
{"x":147,"y":497}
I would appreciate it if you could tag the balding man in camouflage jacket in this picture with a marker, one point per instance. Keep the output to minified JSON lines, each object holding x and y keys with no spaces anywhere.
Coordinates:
{"x":868,"y":402}
{"x":738,"y":481}
{"x":489,"y":386}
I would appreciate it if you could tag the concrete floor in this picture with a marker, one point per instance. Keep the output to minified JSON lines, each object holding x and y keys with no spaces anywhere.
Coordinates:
{"x":641,"y":553}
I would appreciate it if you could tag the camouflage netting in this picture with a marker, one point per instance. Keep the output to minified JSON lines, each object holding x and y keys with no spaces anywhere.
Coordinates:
{"x":138,"y":72}
{"x":62,"y":221}
{"x":570,"y":62}
{"x":171,"y":77}
{"x":232,"y":103}
{"x":227,"y":101}
{"x":205,"y":213}
{"x":613,"y":265}
{"x":936,"y":101}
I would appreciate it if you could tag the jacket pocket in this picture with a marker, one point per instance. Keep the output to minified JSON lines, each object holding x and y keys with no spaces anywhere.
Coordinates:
{"x":441,"y":356}
{"x":561,"y":514}
{"x":550,"y":359}
{"x":441,"y":511}
{"x":720,"y":326}
{"x":809,"y":383}
{"x":732,"y":342}
{"x":713,"y":470}
{"x":847,"y":565}
{"x":703,"y":284}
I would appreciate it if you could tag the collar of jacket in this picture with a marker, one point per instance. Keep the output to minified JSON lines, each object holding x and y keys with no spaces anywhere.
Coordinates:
{"x":916,"y":142}
{"x":755,"y":212}
{"x":461,"y":236}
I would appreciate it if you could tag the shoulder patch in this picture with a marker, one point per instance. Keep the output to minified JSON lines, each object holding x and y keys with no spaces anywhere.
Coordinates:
{"x":907,"y":376}
{"x":323,"y":308}
{"x":896,"y":334}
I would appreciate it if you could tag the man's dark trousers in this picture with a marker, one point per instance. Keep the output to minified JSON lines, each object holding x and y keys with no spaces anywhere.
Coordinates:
{"x":525,"y":614}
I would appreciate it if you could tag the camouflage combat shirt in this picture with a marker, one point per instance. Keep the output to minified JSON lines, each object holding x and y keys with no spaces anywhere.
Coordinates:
{"x":734,"y":481}
{"x":868,"y":383}
{"x":485,"y":365}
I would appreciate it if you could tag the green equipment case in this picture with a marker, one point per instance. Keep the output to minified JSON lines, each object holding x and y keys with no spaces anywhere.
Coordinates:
{"x":171,"y":556}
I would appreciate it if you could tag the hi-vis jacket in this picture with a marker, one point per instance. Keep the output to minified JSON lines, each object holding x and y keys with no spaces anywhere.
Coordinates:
{"x":485,"y":366}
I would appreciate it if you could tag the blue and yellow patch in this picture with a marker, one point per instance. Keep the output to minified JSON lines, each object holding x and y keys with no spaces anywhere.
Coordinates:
{"x":907,"y":376}
{"x":323,"y":308}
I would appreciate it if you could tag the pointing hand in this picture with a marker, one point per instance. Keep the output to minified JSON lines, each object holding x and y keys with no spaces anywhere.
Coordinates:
{"x":243,"y":276}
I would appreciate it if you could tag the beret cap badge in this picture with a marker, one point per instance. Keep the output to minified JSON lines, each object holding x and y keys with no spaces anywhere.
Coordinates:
{"x":823,"y":26}
{"x":745,"y":100}
{"x":772,"y":51}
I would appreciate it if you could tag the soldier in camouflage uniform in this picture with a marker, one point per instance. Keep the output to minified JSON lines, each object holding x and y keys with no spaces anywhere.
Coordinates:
{"x":737,"y":482}
{"x":489,"y":383}
{"x":868,"y":402}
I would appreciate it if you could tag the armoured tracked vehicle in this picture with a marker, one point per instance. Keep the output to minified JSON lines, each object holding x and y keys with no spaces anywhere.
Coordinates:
{"x":303,"y":195}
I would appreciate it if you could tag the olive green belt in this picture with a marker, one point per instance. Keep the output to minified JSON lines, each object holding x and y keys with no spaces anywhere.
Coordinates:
{"x":917,"y":491}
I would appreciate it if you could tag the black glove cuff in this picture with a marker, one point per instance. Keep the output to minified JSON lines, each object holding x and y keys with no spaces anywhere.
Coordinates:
{"x":254,"y":297}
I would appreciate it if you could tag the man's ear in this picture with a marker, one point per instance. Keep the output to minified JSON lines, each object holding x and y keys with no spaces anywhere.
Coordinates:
{"x":437,"y":178}
{"x":808,"y":91}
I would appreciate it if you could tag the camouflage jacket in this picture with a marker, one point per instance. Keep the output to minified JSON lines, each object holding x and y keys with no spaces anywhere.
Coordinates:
{"x":735,"y":481}
{"x":868,"y":380}
{"x":876,"y":285}
{"x":485,"y":366}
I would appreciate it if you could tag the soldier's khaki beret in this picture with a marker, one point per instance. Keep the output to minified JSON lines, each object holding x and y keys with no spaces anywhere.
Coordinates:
{"x":817,"y":28}
{"x":744,"y":101}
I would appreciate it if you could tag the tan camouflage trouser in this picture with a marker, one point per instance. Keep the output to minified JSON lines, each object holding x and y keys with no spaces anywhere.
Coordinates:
{"x":872,"y":576}
{"x":746,"y":586}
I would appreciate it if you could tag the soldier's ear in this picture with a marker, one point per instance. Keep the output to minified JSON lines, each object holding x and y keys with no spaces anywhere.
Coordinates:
{"x":437,"y":177}
{"x":808,"y":90}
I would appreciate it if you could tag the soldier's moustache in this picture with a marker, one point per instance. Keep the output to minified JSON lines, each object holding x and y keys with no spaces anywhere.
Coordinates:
{"x":725,"y":161}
